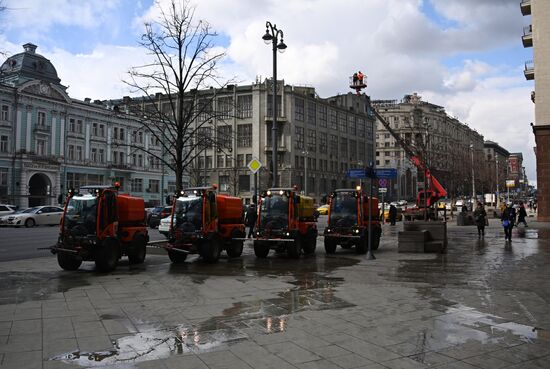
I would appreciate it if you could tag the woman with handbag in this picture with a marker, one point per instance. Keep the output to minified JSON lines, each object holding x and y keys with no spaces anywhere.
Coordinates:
{"x":508,"y":219}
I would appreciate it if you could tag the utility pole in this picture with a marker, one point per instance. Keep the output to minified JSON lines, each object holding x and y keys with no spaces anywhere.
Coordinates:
{"x":473,"y":178}
{"x":496,"y":162}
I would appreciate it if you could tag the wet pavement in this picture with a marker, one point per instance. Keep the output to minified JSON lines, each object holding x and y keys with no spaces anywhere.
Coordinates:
{"x":483,"y":304}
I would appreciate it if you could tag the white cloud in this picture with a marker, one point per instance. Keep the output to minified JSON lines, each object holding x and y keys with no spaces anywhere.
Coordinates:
{"x":392,"y":41}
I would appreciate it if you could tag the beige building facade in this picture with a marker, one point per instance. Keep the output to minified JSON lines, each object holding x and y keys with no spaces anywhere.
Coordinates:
{"x":537,"y":36}
{"x":449,"y":147}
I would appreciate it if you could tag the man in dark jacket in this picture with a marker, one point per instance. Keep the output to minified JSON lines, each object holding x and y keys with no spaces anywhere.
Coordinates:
{"x":250,"y":220}
{"x":393,"y":214}
{"x":522,"y":214}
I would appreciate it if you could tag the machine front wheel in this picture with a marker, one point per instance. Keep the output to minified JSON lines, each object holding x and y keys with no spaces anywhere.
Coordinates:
{"x":139,"y":250}
{"x":260,"y":250}
{"x":68,"y":262}
{"x":177,"y":256}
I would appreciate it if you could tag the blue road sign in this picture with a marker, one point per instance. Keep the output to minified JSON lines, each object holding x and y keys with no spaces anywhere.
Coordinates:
{"x":387,"y":173}
{"x":361,"y":173}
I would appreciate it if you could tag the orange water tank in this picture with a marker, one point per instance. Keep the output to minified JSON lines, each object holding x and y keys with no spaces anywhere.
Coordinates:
{"x":130,"y":209}
{"x":230,"y":209}
{"x":373,"y":205}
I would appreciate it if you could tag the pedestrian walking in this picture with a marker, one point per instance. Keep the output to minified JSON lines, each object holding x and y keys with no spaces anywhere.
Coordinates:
{"x":480,"y":217}
{"x":392,"y":214}
{"x":522,"y":214}
{"x":251,"y":219}
{"x":508,"y":220}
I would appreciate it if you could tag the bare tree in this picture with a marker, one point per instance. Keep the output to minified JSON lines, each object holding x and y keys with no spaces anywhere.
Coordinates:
{"x":174,"y":111}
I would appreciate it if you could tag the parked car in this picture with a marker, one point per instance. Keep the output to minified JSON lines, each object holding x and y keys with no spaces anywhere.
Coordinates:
{"x":39,"y":215}
{"x":323,"y":209}
{"x":154,"y":219}
{"x":6,"y":209}
{"x":164,"y":226}
{"x":151,"y":211}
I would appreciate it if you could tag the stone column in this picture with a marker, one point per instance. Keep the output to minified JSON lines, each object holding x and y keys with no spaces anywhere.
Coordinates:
{"x":28,"y":129}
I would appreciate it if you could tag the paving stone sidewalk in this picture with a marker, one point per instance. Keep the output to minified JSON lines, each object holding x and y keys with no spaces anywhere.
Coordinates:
{"x":483,"y":304}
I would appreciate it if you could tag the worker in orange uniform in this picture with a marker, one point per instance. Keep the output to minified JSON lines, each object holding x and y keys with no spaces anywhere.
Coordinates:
{"x":360,"y":77}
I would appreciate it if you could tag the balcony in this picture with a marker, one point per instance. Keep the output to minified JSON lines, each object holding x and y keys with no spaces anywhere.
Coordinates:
{"x":42,"y":128}
{"x":525,"y":7}
{"x":527,"y":37}
{"x":529,"y":70}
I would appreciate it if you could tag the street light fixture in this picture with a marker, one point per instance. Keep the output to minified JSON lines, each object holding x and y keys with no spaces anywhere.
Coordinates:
{"x":272,"y":35}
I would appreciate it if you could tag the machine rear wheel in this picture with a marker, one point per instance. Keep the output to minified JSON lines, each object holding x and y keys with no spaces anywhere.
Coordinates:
{"x":235,"y":249}
{"x":293,"y":248}
{"x":211,"y":250}
{"x":107,"y":256}
{"x":310,"y":244}
{"x":139,"y":250}
{"x":260,"y":250}
{"x":330,"y":246}
{"x":68,"y":262}
{"x":362,"y":245}
{"x":177,"y":256}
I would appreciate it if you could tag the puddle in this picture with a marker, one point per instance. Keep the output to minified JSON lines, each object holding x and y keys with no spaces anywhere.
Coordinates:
{"x":153,"y":345}
{"x":267,"y":316}
{"x":18,"y":287}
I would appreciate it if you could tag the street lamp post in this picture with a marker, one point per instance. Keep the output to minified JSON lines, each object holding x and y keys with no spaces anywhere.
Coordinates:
{"x":305,"y":152}
{"x":272,"y":34}
{"x":473,"y":177}
{"x":496,"y":166}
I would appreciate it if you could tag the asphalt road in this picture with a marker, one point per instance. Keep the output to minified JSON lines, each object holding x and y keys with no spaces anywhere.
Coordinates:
{"x":22,"y":243}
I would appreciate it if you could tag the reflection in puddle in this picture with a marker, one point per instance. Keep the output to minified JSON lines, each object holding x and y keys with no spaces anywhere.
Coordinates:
{"x":154,"y":345}
{"x":269,"y":316}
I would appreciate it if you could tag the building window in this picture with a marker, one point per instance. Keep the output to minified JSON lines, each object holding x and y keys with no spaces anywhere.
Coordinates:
{"x":95,"y":129}
{"x":270,"y":106}
{"x":225,"y":107}
{"x":322,"y":142}
{"x":240,"y":160}
{"x":137,"y":137}
{"x":361,"y":150}
{"x":228,"y":161}
{"x":4,"y":144}
{"x":333,"y":145}
{"x":299,"y":138}
{"x":353,"y":149}
{"x":3,"y":181}
{"x":154,"y":185}
{"x":5,"y":112}
{"x":40,"y":147}
{"x":171,"y":187}
{"x":344,"y":147}
{"x":75,"y":125}
{"x":361,"y":127}
{"x":93,"y":155}
{"x":244,"y":135}
{"x":101,"y":156}
{"x":311,"y":113}
{"x":343,"y":122}
{"x":244,"y":106}
{"x":204,"y":136}
{"x":333,"y":120}
{"x":311,"y":140}
{"x":248,"y":159}
{"x":299,"y":109}
{"x":352,"y":125}
{"x":223,"y":181}
{"x":137,"y":185}
{"x":323,"y":116}
{"x":244,"y":182}
{"x":79,"y":152}
{"x":225,"y":136}
{"x":219,"y":161}
{"x":205,"y":109}
{"x":41,"y":119}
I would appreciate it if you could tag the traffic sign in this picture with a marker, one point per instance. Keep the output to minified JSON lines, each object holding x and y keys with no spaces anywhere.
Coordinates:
{"x":388,"y":173}
{"x":382,"y":190}
{"x":254,"y":165}
{"x":356,"y":173}
{"x":383,"y":182}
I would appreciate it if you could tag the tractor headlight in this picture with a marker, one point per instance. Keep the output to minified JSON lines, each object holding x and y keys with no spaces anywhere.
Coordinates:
{"x":356,"y":231}
{"x":328,"y":230}
{"x":287,"y":234}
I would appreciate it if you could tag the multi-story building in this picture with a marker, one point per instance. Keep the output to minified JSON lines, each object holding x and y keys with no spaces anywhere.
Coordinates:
{"x":449,"y":147}
{"x":319,"y":139}
{"x":50,"y":142}
{"x":516,"y":170}
{"x":496,"y":160}
{"x":536,"y":35}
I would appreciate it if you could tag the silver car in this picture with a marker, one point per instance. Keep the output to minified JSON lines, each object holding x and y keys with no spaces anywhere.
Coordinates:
{"x":39,"y":215}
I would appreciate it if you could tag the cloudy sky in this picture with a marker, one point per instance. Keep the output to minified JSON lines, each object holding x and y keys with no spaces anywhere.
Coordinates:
{"x":465,"y":55}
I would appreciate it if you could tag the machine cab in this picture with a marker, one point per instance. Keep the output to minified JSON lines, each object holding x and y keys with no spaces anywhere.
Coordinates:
{"x":344,"y":208}
{"x":91,"y":212}
{"x":194,"y":210}
{"x":275,"y":212}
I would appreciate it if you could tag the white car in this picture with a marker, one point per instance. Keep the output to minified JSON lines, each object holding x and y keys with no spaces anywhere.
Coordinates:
{"x":39,"y":215}
{"x":7,"y":209}
{"x":164,"y":226}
